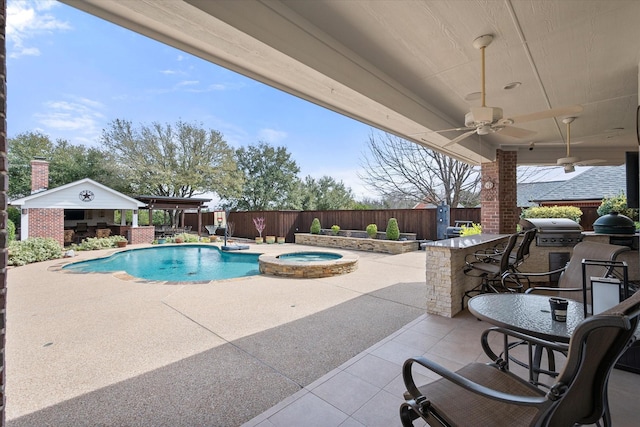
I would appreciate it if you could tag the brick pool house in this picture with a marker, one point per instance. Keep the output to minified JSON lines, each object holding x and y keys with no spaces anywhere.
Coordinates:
{"x":85,"y":204}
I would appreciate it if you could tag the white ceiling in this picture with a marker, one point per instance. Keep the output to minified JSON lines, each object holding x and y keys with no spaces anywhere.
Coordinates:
{"x":407,"y":66}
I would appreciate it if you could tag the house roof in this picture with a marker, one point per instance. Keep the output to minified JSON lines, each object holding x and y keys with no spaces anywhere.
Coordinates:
{"x":82,"y":194}
{"x":596,"y":183}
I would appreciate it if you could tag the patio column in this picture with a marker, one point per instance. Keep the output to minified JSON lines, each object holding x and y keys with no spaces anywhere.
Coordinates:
{"x":499,"y":210}
{"x":134,"y":218}
{"x":123,"y":217}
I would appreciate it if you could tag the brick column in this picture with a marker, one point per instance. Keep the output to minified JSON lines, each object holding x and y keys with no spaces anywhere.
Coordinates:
{"x":499,"y":211}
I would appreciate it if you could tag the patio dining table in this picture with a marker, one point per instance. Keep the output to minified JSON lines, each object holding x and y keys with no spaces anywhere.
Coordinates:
{"x":530,"y":315}
{"x":527,"y":313}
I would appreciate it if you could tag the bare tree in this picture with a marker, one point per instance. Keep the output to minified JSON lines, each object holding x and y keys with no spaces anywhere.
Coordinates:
{"x":397,"y":168}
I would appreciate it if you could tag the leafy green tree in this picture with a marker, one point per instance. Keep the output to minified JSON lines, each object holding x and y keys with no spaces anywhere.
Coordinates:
{"x":22,"y":149}
{"x":67,"y":163}
{"x":70,"y":163}
{"x":326,"y":194}
{"x":270,"y":179}
{"x":181,"y":160}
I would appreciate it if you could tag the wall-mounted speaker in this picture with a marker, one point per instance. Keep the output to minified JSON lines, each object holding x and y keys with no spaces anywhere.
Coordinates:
{"x":633,"y":179}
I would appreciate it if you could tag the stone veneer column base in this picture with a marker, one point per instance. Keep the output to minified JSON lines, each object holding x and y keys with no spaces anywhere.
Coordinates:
{"x":445,"y":278}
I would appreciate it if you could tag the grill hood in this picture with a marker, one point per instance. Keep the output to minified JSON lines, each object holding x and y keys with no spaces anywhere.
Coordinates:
{"x":550,"y":225}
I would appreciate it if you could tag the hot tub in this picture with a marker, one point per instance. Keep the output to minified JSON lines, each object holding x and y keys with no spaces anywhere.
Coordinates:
{"x":308,"y":265}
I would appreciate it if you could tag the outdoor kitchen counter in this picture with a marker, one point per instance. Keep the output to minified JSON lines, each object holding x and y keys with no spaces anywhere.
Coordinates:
{"x":445,"y":278}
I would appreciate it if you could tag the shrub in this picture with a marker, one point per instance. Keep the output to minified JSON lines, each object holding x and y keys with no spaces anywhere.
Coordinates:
{"x":11,"y":231}
{"x":335,"y":229}
{"x":470,"y":230}
{"x":34,"y":249}
{"x":617,"y":204}
{"x":315,"y":226}
{"x":187,"y":238}
{"x":97,"y":243}
{"x":14,"y":214}
{"x":393,"y":232}
{"x":570,"y":212}
{"x":372,"y":231}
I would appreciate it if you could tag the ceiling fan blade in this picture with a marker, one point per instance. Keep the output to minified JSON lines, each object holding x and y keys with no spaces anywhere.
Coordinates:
{"x":443,"y":131}
{"x":547,"y":114}
{"x":589,"y":162}
{"x":459,"y":138}
{"x":516,"y":132}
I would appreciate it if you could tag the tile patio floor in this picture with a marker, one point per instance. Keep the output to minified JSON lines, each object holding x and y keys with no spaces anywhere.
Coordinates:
{"x":367,"y":390}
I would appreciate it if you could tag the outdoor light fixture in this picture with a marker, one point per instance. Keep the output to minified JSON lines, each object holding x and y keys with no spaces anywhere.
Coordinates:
{"x":25,"y":211}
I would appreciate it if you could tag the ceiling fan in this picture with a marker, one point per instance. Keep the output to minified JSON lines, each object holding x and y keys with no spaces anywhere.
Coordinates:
{"x":569,"y":163}
{"x":484,"y":120}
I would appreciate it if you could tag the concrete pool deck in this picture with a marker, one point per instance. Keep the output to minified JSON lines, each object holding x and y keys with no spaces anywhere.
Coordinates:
{"x":91,"y":349}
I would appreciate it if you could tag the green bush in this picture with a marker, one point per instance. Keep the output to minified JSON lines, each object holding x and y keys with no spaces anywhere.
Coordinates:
{"x":14,"y":214}
{"x":11,"y":231}
{"x":393,"y":232}
{"x":617,"y":204}
{"x":315,"y":226}
{"x":186,"y":238}
{"x":570,"y":212}
{"x":335,"y":229}
{"x":97,"y":243}
{"x":34,"y":249}
{"x":372,"y":231}
{"x":470,"y":230}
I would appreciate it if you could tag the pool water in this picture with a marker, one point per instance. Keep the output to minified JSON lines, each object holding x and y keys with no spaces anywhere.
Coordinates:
{"x":174,"y":263}
{"x":309,"y":256}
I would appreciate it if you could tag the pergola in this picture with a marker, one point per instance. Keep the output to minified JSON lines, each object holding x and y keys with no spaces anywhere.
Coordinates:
{"x":174,"y":203}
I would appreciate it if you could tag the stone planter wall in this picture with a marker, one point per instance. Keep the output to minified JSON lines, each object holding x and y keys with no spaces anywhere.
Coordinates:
{"x":381,"y":235}
{"x":358,"y":244}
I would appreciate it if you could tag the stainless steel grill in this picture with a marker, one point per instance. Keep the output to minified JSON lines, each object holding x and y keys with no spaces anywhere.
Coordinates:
{"x":554,"y":231}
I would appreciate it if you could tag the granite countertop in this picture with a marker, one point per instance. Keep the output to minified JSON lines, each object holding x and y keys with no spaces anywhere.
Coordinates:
{"x":466,"y":242}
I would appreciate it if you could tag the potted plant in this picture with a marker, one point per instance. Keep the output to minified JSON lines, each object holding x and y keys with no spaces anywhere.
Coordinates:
{"x":120,"y":241}
{"x":270,"y":239}
{"x":260,"y":225}
{"x":372,"y":231}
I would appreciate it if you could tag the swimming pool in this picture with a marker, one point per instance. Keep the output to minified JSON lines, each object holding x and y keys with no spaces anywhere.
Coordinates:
{"x":174,"y":263}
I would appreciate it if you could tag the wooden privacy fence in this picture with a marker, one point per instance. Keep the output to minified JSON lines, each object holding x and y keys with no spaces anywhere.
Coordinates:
{"x":286,"y":223}
{"x":423,"y":222}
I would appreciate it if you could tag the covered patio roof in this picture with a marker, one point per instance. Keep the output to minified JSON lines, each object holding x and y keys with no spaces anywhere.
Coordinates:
{"x":166,"y":202}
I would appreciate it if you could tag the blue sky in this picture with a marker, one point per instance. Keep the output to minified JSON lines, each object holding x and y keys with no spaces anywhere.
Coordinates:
{"x":69,"y":74}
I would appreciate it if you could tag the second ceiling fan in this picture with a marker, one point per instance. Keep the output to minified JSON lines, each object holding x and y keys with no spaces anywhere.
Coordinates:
{"x":569,"y":163}
{"x":484,"y":120}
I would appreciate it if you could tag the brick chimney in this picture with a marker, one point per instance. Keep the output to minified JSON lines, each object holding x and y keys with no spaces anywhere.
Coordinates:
{"x":39,"y":175}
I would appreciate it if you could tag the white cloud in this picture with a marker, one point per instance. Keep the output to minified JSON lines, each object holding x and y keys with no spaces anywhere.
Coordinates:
{"x":271,"y":135}
{"x":80,"y":119}
{"x":27,"y":20}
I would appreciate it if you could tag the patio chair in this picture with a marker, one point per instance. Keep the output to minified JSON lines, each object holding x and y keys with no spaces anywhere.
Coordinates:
{"x":570,"y":281}
{"x":518,"y":255}
{"x":68,"y":237}
{"x":570,"y":286}
{"x":489,"y":395}
{"x":491,"y":271}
